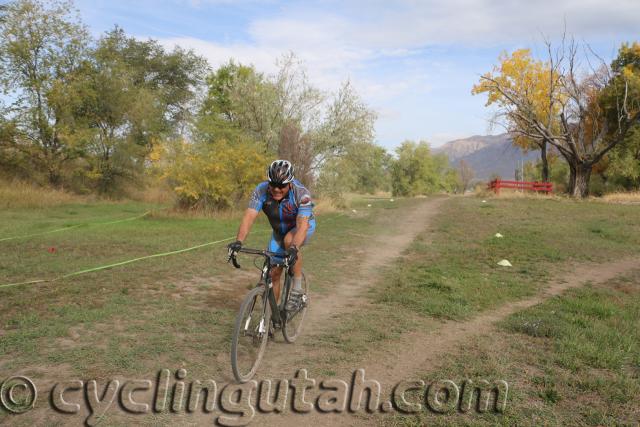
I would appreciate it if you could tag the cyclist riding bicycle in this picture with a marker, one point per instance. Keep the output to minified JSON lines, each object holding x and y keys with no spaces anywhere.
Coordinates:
{"x":288,"y":206}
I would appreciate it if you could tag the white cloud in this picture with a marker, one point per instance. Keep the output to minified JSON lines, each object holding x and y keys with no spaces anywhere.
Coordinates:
{"x":263,"y":58}
{"x":338,"y":39}
{"x":384,"y":47}
{"x":409,"y":24}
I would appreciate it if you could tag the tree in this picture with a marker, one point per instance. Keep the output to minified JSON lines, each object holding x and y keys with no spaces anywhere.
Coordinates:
{"x":125,"y":97}
{"x":534,"y":82}
{"x":41,"y":43}
{"x":218,"y":102}
{"x":624,"y":160}
{"x":13,"y":161}
{"x":370,"y":164}
{"x":588,"y":116}
{"x":262,"y":105}
{"x":364,"y":168}
{"x":213,"y":175}
{"x":298,"y":149}
{"x":286,"y":114}
{"x":466,"y":174}
{"x":559,"y":172}
{"x":240,"y":97}
{"x":416,"y":171}
{"x":348,"y":122}
{"x":623,"y":94}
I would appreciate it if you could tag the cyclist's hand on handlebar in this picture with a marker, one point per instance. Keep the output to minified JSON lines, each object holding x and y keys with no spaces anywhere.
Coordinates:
{"x":234,"y":247}
{"x":292,"y":255}
{"x":233,"y":251}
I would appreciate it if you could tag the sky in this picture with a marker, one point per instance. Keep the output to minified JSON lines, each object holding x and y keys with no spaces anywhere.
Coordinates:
{"x":413,"y":61}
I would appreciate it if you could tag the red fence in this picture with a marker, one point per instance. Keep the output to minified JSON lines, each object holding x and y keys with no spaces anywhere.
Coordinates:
{"x":497,"y":184}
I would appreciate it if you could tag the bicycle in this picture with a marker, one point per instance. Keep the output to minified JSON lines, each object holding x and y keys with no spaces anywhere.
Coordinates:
{"x":260,"y":315}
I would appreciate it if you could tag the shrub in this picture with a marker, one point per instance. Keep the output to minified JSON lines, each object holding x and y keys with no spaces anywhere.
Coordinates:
{"x":215,"y":175}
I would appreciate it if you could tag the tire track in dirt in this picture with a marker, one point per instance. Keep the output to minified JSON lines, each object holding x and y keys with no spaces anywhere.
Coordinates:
{"x":382,"y":250}
{"x":418,"y":353}
{"x":281,"y":359}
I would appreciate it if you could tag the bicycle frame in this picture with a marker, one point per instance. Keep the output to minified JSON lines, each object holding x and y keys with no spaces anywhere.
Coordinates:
{"x":265,"y":279}
{"x":257,"y":326}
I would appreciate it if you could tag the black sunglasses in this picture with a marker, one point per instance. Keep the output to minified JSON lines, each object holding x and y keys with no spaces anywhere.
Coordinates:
{"x":280,"y":186}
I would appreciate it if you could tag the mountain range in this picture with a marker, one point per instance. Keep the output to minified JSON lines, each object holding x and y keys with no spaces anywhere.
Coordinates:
{"x":488,"y":155}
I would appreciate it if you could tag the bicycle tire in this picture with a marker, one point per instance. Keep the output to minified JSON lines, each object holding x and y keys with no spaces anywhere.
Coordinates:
{"x":291,"y":327}
{"x":250,"y":351}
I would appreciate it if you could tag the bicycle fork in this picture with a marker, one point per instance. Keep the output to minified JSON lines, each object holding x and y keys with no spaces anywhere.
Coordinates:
{"x":275,"y":310}
{"x":261,"y":326}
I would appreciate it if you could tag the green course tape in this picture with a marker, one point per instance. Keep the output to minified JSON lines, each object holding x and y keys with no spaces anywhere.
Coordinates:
{"x":104,"y":267}
{"x":24,"y":236}
{"x":26,"y":283}
{"x":133,"y":218}
{"x":129,"y":261}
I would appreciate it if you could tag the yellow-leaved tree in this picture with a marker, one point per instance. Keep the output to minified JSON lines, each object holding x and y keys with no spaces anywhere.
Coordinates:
{"x":214,"y":175}
{"x":535,"y":84}
{"x":582,"y":115}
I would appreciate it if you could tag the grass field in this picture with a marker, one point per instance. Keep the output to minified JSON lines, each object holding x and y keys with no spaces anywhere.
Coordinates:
{"x":573,"y":360}
{"x":450,"y":272}
{"x":163,"y":312}
{"x":177,"y":311}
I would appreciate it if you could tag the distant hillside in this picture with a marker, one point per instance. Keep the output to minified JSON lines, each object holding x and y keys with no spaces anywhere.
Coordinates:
{"x":488,"y":155}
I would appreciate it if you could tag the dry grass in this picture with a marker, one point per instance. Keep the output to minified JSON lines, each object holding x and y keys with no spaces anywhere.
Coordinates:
{"x":516,"y":194}
{"x":619,"y":198}
{"x":632,"y":197}
{"x":18,"y":194}
{"x":156,"y":194}
{"x":324,"y":205}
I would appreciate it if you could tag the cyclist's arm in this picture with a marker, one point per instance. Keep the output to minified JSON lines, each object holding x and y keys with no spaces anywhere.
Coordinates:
{"x":248,"y":219}
{"x":302,"y":225}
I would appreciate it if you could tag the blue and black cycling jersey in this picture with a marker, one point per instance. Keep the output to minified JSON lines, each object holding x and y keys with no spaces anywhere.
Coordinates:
{"x":282,"y":214}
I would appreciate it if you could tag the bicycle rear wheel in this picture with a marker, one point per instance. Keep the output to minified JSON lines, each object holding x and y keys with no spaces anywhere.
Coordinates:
{"x":250,"y":334}
{"x":292,"y":325}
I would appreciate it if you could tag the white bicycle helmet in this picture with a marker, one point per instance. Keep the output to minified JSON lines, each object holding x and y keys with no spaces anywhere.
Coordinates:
{"x":280,"y":172}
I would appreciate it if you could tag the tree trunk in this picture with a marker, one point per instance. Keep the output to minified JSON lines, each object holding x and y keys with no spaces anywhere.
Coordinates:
{"x":580,"y":174}
{"x":54,"y":177}
{"x":545,"y":162}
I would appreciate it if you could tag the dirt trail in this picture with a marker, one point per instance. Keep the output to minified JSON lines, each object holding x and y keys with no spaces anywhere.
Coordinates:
{"x":421,"y":352}
{"x":380,"y":252}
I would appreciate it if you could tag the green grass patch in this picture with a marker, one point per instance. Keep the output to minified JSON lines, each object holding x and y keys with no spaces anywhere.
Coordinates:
{"x":178,"y":311}
{"x":153,"y":314}
{"x":572,"y":360}
{"x":452,"y":272}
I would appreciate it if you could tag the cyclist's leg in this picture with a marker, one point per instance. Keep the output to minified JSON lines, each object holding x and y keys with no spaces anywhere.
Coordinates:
{"x":297,"y":267}
{"x":276,"y":272}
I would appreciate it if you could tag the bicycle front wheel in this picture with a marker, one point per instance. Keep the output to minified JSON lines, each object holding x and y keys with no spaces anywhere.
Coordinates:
{"x":250,"y":334}
{"x":293,"y":320}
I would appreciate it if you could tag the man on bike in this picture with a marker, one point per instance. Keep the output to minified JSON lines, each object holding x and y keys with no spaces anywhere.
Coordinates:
{"x":288,"y":206}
